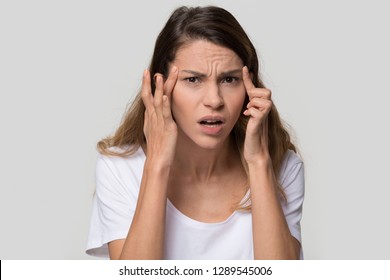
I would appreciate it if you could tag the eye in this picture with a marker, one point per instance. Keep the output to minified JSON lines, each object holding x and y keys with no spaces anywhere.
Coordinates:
{"x":192,"y":79}
{"x":230,"y":80}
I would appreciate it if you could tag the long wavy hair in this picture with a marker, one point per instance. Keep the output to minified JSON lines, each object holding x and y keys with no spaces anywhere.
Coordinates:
{"x":217,"y":26}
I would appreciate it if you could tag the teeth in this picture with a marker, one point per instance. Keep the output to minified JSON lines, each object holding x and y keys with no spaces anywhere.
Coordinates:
{"x":211,"y":122}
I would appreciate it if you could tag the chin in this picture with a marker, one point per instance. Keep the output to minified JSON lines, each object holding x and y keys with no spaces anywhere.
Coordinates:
{"x":209,"y":143}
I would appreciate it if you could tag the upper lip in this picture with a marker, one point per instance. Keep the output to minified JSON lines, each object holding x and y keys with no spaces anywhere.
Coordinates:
{"x":212,"y":118}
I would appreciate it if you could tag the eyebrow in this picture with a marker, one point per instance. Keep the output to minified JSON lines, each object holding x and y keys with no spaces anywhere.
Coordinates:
{"x":223,"y":74}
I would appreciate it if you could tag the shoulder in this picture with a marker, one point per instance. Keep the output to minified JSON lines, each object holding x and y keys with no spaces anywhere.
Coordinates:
{"x":119,"y":172}
{"x":117,"y":162}
{"x":291,"y":158}
{"x":117,"y":188}
{"x":291,"y":170}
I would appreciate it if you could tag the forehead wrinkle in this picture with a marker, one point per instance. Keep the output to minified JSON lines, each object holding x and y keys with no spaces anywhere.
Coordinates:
{"x":222,"y":74}
{"x":217,"y":64}
{"x":207,"y":58}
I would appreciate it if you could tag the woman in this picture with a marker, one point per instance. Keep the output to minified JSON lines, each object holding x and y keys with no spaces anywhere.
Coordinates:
{"x":201,"y":166}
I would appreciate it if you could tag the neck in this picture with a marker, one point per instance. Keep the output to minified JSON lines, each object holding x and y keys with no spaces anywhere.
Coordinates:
{"x":203,"y":164}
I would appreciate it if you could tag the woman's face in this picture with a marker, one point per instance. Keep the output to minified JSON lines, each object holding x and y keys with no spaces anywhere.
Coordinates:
{"x":209,"y":93}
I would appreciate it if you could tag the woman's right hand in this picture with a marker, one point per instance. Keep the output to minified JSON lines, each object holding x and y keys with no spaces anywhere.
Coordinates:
{"x":145,"y":239}
{"x":159,"y":127}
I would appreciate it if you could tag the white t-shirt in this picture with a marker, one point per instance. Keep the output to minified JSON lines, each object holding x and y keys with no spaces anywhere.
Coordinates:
{"x":118,"y":180}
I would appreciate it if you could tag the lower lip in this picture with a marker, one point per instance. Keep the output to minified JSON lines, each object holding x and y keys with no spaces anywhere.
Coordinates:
{"x":211,"y":130}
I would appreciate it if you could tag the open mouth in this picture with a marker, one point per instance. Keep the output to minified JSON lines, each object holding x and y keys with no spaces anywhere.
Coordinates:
{"x":211,"y":123}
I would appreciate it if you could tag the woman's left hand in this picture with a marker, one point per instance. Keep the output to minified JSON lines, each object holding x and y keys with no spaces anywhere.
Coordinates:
{"x":256,"y":139}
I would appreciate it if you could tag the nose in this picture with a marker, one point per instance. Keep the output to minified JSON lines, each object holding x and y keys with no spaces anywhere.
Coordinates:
{"x":212,"y":97}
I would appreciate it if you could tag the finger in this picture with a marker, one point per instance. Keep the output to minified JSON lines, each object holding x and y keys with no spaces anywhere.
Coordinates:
{"x":146,"y":90}
{"x":249,"y":86}
{"x":261,"y":93}
{"x":158,"y":94}
{"x":167,"y":113}
{"x":171,"y":81}
{"x":260,"y":109}
{"x":260,"y":103}
{"x":253,"y":112}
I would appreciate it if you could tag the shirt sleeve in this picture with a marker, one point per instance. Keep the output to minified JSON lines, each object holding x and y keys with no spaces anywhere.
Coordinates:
{"x":113,"y":206}
{"x":293,"y":183}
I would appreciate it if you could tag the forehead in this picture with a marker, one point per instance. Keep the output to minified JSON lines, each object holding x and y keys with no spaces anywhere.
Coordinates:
{"x":201,"y":53}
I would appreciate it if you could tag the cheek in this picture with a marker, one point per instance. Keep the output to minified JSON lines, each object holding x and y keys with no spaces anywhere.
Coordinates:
{"x":181,"y":101}
{"x":237,"y":101}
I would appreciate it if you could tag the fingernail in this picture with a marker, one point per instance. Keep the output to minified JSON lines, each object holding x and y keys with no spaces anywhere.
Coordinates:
{"x":174,"y":69}
{"x":145,"y":72}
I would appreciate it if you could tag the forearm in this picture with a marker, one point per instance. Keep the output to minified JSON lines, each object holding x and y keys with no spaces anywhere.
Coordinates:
{"x":145,"y":239}
{"x":271,"y":236}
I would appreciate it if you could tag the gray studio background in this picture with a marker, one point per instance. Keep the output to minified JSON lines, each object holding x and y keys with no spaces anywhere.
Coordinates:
{"x":69,"y":68}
